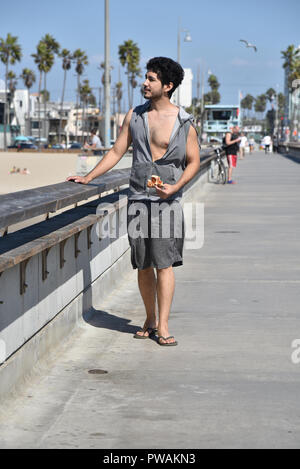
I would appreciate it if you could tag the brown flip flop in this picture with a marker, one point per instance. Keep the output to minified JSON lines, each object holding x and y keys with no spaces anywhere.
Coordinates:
{"x":166,"y":344}
{"x":151,"y":331}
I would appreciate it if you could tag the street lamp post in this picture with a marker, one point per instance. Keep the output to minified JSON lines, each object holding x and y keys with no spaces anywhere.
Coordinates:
{"x":106,"y":79}
{"x":187,"y":38}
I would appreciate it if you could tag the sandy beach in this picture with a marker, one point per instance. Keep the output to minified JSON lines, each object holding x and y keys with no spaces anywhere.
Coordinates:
{"x":44,"y":168}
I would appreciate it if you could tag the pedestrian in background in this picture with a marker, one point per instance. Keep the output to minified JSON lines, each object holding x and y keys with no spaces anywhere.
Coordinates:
{"x":96,"y":144}
{"x":232,"y":141}
{"x":267,"y":141}
{"x":251,"y":144}
{"x":243,"y":144}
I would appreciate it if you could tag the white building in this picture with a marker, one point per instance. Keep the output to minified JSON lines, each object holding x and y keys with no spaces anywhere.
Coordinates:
{"x":185,"y":90}
{"x":20,"y":110}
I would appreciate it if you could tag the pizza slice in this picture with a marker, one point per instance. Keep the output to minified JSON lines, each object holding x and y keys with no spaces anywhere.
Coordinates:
{"x":155,"y":181}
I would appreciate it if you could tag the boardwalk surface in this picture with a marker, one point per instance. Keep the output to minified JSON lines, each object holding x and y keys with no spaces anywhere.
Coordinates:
{"x":231,"y":382}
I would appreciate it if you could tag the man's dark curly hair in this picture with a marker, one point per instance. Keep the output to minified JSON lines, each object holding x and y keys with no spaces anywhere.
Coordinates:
{"x":167,"y":71}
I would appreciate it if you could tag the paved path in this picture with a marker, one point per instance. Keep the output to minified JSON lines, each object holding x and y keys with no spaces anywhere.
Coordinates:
{"x":231,"y":382}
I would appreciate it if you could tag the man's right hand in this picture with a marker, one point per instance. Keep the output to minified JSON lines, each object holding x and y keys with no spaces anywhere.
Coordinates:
{"x":79,"y":179}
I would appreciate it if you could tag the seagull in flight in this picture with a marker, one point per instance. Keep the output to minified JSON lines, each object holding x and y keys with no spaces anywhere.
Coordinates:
{"x":248,"y":44}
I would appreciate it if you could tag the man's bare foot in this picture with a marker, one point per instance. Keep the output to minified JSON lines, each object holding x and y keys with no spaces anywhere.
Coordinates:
{"x":167,"y":341}
{"x":164,"y":337}
{"x":146,"y":332}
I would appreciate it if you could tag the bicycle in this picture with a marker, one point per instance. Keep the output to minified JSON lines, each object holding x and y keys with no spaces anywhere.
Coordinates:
{"x":217,"y":170}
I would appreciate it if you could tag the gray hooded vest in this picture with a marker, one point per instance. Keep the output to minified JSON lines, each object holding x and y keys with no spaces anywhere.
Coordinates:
{"x":169,"y":167}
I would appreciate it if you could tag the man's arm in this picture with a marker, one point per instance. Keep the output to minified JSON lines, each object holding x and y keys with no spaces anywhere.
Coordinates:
{"x":92,"y":146}
{"x":192,"y":166}
{"x":112,"y":157}
{"x":228,"y":140}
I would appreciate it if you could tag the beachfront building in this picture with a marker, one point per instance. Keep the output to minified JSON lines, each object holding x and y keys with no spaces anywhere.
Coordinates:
{"x":15,"y":114}
{"x":291,"y":119}
{"x":43,"y":121}
{"x":80,"y":122}
{"x":294,"y":115}
{"x":29,"y":117}
{"x":185,"y":90}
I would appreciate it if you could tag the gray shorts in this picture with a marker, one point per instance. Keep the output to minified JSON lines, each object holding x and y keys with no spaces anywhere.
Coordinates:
{"x":155,"y":233}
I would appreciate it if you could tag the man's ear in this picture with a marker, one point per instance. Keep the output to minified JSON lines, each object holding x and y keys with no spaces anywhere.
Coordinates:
{"x":168,"y":87}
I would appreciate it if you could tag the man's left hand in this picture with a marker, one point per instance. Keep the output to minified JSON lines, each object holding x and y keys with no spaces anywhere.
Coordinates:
{"x":166,"y":190}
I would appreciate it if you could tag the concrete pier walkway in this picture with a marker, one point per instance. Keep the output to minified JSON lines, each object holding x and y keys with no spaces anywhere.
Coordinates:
{"x":231,"y":381}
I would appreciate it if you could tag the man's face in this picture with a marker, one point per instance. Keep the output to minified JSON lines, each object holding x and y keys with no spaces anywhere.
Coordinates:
{"x":153,"y":87}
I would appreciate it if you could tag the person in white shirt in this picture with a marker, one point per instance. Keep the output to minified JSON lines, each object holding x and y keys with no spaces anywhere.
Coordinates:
{"x":243,"y":144}
{"x":251,"y":144}
{"x":267,"y":142}
{"x":96,"y":143}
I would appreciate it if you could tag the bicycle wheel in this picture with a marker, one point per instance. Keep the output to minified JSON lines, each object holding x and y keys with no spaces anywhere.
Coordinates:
{"x":222,"y":173}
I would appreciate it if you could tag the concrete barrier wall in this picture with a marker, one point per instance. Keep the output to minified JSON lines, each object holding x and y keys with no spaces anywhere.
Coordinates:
{"x":32,"y":324}
{"x":290,"y":149}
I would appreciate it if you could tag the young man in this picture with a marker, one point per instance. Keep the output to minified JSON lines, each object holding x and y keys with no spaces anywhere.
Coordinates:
{"x":232,"y":140}
{"x":165,"y":145}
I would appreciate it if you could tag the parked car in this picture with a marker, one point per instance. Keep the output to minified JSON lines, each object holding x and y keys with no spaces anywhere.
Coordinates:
{"x":75,"y":145}
{"x":25,"y":145}
{"x":57,"y":146}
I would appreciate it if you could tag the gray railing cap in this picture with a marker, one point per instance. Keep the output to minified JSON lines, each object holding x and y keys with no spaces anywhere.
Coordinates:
{"x":23,"y":205}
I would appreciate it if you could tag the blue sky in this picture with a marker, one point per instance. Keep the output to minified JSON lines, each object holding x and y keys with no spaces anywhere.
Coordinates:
{"x":215,"y":26}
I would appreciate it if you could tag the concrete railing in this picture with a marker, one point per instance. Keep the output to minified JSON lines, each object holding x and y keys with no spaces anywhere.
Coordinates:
{"x":290,"y":149}
{"x":52,"y":272}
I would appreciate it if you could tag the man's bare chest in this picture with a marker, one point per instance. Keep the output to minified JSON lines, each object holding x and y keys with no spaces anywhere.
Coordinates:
{"x":161,"y":129}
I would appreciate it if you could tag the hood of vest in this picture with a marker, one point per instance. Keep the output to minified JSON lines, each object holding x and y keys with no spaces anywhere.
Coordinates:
{"x":183,"y":115}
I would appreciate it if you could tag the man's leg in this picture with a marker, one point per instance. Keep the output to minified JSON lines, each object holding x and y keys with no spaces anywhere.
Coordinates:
{"x":165,"y":293}
{"x":147,"y":287}
{"x":230,"y":166}
{"x":232,"y":160}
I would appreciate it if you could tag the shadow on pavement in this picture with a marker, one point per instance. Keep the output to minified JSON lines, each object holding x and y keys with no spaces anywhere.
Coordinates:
{"x":296,"y":159}
{"x":105,"y":320}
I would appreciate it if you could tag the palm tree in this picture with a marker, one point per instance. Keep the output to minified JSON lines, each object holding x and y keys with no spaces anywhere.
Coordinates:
{"x":102,"y":67}
{"x":260,"y":103}
{"x":290,"y":56}
{"x":66,"y":65}
{"x":28,"y":77}
{"x":291,"y":63}
{"x":270,"y":94}
{"x":41,"y":58}
{"x":281,"y":103}
{"x":86,"y":97}
{"x":119,"y":94}
{"x":247,"y":102}
{"x":213,"y":96}
{"x":129,"y":55}
{"x":81,"y":60}
{"x":52,"y":49}
{"x":213,"y":82}
{"x":10,"y":52}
